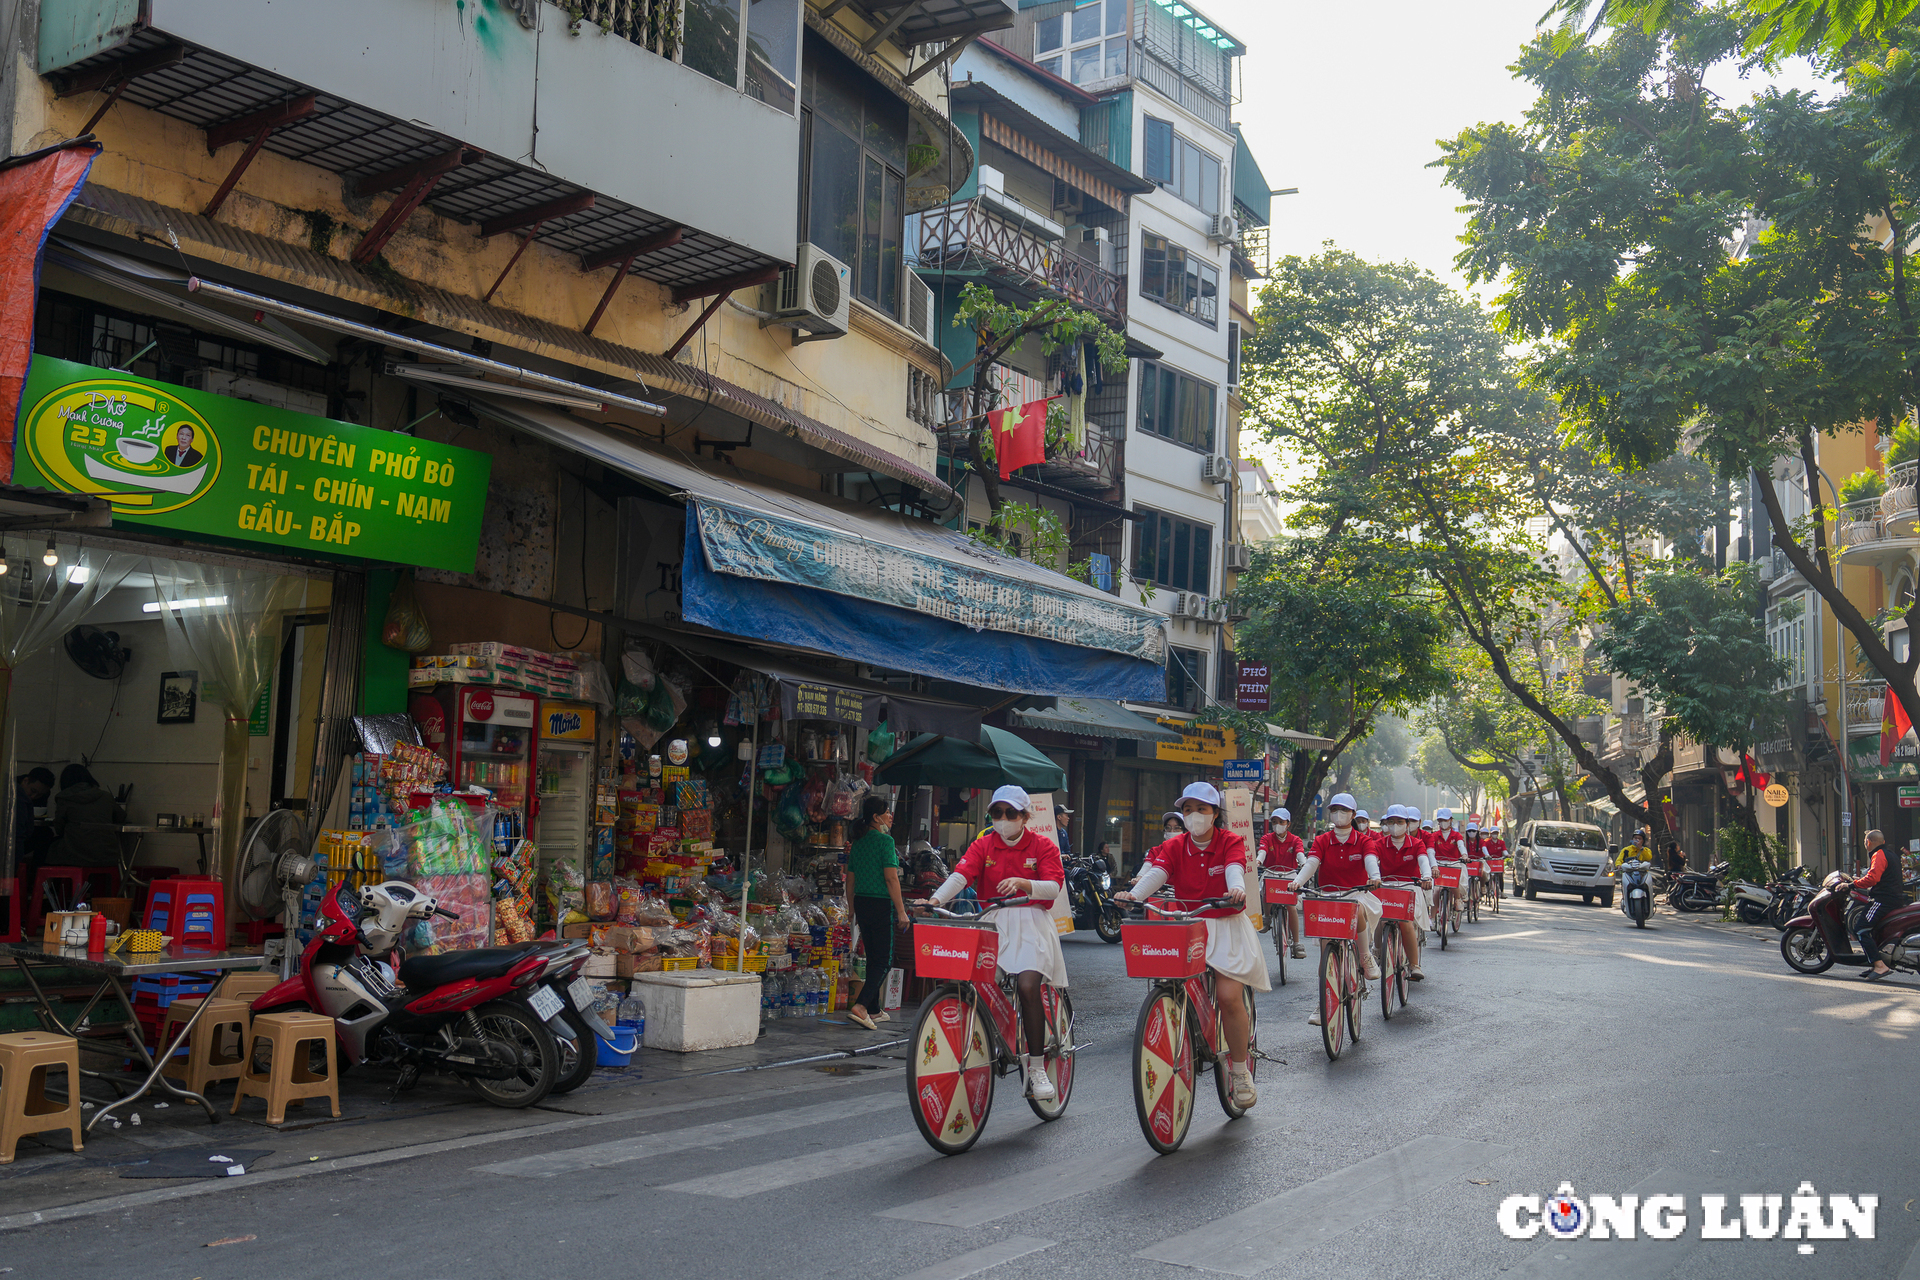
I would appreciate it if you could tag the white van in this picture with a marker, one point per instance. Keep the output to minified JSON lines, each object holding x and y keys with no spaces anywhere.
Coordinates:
{"x":1564,"y":857}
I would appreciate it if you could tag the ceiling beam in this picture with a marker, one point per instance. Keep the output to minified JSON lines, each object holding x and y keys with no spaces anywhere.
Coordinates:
{"x":539,"y":213}
{"x":133,"y":68}
{"x":727,"y":284}
{"x":632,"y":249}
{"x":251,"y":124}
{"x":402,"y":175}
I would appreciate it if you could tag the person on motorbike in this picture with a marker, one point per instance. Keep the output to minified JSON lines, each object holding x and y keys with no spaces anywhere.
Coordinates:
{"x":1280,"y":851}
{"x":1881,"y":882}
{"x":1344,"y":859}
{"x":1016,"y":862}
{"x":1211,"y":862}
{"x":1403,"y":856}
{"x":1639,"y":849}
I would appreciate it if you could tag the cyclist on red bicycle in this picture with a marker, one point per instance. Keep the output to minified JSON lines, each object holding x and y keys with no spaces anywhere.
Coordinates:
{"x":1210,"y":862}
{"x":1363,"y":822}
{"x":1344,"y":859}
{"x":1477,"y":853}
{"x":1280,"y":850}
{"x":1403,"y":856}
{"x":1016,"y":862}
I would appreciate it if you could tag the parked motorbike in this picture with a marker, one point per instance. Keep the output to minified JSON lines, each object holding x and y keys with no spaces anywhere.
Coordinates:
{"x":1791,"y":893}
{"x":1751,"y":902}
{"x":479,"y":1015}
{"x":1697,"y":890}
{"x":1823,"y":937}
{"x":576,"y":1027}
{"x":1636,"y":892}
{"x":1090,"y":890}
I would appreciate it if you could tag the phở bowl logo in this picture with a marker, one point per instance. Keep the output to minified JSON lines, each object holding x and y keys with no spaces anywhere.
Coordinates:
{"x":135,"y":445}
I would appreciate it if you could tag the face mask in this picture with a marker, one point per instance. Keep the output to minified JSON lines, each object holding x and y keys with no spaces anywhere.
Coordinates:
{"x":1342,"y":819}
{"x":1200,"y":825}
{"x":1396,"y":829}
{"x":1009,"y":829}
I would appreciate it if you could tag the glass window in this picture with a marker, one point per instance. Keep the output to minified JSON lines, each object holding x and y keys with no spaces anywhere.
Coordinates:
{"x":854,"y":141}
{"x":1085,"y":64}
{"x":1170,"y":552}
{"x":1046,"y":34}
{"x":773,"y":51}
{"x":1178,"y":408}
{"x":1182,"y":555}
{"x":1116,"y":17}
{"x":1087,"y":58}
{"x":892,"y":220}
{"x":870,"y":208}
{"x":712,"y":43}
{"x":1116,"y":57}
{"x":1149,"y":395}
{"x":1187,"y":678}
{"x":1170,"y":275}
{"x":1153,"y":266}
{"x":1050,"y":65}
{"x":1086,"y":22}
{"x":1193,"y":175}
{"x":833,"y":197}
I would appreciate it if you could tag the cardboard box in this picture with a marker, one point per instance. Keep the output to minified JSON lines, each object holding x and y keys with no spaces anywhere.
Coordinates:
{"x":602,"y":964}
{"x":56,"y":924}
{"x":628,"y":963}
{"x":576,"y":930}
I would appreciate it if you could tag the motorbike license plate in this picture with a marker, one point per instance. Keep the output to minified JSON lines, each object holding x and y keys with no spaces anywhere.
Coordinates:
{"x":545,"y":1003}
{"x":580,"y":993}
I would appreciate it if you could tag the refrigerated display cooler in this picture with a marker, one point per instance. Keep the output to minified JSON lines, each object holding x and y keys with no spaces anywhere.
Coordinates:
{"x":563,"y":831}
{"x":488,"y":737}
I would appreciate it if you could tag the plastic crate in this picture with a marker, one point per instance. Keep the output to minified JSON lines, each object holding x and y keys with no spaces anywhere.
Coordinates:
{"x":1323,"y":918}
{"x":955,"y":952}
{"x":1172,"y":949}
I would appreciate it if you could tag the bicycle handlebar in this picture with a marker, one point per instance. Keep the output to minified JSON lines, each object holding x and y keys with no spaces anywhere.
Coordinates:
{"x":986,"y":904}
{"x":1200,"y":904}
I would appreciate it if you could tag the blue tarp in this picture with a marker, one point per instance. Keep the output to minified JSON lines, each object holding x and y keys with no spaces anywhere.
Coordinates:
{"x":902,"y":639}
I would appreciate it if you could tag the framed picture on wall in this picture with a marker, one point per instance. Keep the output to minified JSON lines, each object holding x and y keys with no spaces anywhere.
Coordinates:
{"x":179,"y":696}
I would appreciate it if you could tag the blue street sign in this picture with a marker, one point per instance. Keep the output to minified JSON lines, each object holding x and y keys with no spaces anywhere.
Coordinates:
{"x":1243,"y":770}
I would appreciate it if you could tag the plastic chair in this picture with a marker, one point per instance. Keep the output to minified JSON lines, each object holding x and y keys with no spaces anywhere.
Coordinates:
{"x":215,"y":1050}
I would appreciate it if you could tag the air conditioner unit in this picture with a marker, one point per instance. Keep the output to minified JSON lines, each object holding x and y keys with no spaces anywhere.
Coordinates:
{"x":1216,"y":470}
{"x":1106,"y":253}
{"x":224,"y":383}
{"x":1239,"y":557}
{"x":921,"y":313}
{"x":1766,"y":568}
{"x":1190,"y":604}
{"x":1224,"y":229}
{"x":989,"y":179}
{"x":815,"y":293}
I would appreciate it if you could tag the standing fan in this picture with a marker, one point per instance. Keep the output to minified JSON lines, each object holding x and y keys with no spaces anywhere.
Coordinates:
{"x":274,"y":867}
{"x":97,"y":652}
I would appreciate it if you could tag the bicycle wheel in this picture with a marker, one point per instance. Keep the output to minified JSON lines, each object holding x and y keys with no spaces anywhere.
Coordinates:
{"x":1280,"y":941}
{"x":950,"y":1083}
{"x":1355,"y":1000}
{"x":1221,"y":1071}
{"x":1389,"y":962}
{"x":1163,"y":1070}
{"x":1059,"y":1059}
{"x":1333,"y":1006}
{"x":1443,"y":907}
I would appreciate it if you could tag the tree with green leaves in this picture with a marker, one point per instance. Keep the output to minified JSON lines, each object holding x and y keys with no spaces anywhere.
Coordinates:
{"x":1002,"y":328}
{"x":1828,"y":30}
{"x":1705,"y":277}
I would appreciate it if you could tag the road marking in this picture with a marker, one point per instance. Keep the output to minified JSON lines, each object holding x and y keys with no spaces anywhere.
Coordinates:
{"x":600,"y":1155}
{"x":216,"y":1186}
{"x":776,"y":1174}
{"x":972,"y":1264}
{"x":1636,"y":1259}
{"x":982,"y":1202}
{"x":1263,"y":1235}
{"x":1912,"y":1270}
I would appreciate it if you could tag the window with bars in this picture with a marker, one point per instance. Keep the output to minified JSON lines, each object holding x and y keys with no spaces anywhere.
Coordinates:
{"x":1085,"y":44}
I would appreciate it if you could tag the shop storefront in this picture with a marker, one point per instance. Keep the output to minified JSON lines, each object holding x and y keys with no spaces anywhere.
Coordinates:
{"x":1147,"y":783}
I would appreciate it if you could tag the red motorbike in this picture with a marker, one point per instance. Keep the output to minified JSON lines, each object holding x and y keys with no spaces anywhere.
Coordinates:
{"x":1823,"y":937}
{"x":480,"y":1015}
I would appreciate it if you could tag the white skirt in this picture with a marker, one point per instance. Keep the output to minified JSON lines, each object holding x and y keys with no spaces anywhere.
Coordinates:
{"x":1028,"y":940}
{"x":1233,"y":949}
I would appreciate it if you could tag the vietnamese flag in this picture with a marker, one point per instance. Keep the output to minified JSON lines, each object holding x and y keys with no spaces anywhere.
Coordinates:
{"x":1894,"y":727}
{"x":1020,"y":435}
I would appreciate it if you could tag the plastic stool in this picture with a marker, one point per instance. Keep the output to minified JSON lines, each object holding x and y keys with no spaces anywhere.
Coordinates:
{"x":189,"y":909}
{"x":215,"y":1050}
{"x":25,"y":1107}
{"x":245,"y":986}
{"x":287,"y":1078}
{"x":75,"y":879}
{"x":10,"y":917}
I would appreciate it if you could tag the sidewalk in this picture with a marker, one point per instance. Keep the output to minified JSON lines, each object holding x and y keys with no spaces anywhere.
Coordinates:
{"x":45,"y":1173}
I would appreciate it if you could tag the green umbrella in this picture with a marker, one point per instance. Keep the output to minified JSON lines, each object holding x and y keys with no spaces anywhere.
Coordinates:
{"x":935,"y":760}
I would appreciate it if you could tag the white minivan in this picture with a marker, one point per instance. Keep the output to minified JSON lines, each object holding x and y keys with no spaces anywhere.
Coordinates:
{"x":1564,"y":857}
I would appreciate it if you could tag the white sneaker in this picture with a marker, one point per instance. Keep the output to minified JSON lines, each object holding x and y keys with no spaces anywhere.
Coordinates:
{"x":1413,"y":971}
{"x":1299,"y":952}
{"x":1240,"y":1085}
{"x":1039,"y":1084}
{"x":1368,"y":968}
{"x":1315,"y":1020}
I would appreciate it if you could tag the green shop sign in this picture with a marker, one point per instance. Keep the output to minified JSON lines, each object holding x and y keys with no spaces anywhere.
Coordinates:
{"x":196,"y":462}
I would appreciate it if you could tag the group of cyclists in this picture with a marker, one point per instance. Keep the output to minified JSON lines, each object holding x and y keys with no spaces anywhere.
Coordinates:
{"x":1205,"y":865}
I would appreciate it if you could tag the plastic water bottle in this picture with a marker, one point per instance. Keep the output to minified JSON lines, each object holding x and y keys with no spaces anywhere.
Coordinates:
{"x":819,"y":992}
{"x":633,"y":1013}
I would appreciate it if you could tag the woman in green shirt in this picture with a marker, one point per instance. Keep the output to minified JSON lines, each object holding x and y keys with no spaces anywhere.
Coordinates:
{"x":873,"y":887}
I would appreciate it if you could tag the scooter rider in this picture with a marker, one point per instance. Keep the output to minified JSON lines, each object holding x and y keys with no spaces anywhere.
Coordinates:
{"x":1280,"y":850}
{"x":1344,"y":859}
{"x":1404,"y":857}
{"x":1016,"y":862}
{"x":1210,"y":862}
{"x":1881,"y":882}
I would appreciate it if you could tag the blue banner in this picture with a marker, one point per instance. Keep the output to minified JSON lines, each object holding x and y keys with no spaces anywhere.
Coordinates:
{"x":988,"y":592}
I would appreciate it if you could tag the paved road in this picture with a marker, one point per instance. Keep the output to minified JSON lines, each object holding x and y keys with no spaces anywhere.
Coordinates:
{"x":1553,"y":1044}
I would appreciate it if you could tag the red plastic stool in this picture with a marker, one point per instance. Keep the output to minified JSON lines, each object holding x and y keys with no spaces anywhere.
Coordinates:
{"x":10,"y":920}
{"x":189,"y":909}
{"x":75,"y":879}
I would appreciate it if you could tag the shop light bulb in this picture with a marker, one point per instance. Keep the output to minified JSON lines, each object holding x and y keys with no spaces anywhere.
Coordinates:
{"x":52,"y":557}
{"x":79,"y":574}
{"x":3,"y":566}
{"x":713,"y":736}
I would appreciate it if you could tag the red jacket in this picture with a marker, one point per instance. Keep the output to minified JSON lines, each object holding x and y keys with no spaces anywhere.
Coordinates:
{"x":989,"y":860}
{"x":1493,"y":847}
{"x":1342,"y":864}
{"x":1402,"y":863}
{"x":1196,"y":874}
{"x":1282,"y":853}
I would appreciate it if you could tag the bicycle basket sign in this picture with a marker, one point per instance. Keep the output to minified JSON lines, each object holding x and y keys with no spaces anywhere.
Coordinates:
{"x":1331,"y":919}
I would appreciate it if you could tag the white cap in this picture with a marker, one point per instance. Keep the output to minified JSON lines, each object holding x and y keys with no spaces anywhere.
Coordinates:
{"x":1426,"y":824}
{"x":1473,"y":826}
{"x":1342,"y":801}
{"x":1281,"y":815}
{"x":1362,"y":813}
{"x":1412,"y":811}
{"x":1394,"y":811}
{"x":1204,"y":792}
{"x":1442,"y":815}
{"x":1012,"y":795}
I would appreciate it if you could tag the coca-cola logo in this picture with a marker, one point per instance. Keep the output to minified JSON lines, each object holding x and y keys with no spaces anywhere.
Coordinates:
{"x":480,"y":706}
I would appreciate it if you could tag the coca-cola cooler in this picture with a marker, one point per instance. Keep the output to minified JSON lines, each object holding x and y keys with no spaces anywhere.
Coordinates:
{"x":489,"y":737}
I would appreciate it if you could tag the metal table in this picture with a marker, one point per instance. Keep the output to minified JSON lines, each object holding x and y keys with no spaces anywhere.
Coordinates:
{"x":114,"y":973}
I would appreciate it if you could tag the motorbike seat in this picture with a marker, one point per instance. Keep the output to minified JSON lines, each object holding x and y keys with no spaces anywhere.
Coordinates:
{"x":424,"y":973}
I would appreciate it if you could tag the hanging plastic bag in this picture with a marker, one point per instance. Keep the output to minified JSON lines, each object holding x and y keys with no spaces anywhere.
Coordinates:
{"x":880,"y":742}
{"x":406,"y":627}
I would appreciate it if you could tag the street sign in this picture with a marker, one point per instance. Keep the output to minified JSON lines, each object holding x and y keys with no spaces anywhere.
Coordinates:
{"x":1910,"y":797}
{"x":1251,"y":689}
{"x":1776,"y":795}
{"x":1243,"y":770}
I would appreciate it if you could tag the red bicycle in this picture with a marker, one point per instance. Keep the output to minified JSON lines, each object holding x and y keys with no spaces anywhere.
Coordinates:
{"x":1496,"y":882}
{"x":1335,"y":920}
{"x":957,"y":1052}
{"x":1389,"y":948}
{"x":1279,"y":896}
{"x":1179,"y":1023}
{"x":1450,"y":880}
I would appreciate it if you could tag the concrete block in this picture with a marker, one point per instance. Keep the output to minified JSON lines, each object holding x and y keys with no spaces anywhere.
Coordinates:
{"x":701,"y":1009}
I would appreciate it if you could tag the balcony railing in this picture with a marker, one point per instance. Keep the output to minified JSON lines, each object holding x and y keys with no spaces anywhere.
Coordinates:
{"x":1866,"y":706}
{"x":1860,"y":523}
{"x":1629,"y":733}
{"x":969,"y":232}
{"x":1898,"y":501}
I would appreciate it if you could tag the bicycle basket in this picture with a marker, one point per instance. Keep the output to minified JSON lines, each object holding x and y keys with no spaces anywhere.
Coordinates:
{"x":1278,"y":894}
{"x":1173,"y":949}
{"x":961,"y":952}
{"x":1395,"y":904}
{"x":1450,"y":877}
{"x":1331,"y":919}
{"x":1497,"y":866}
